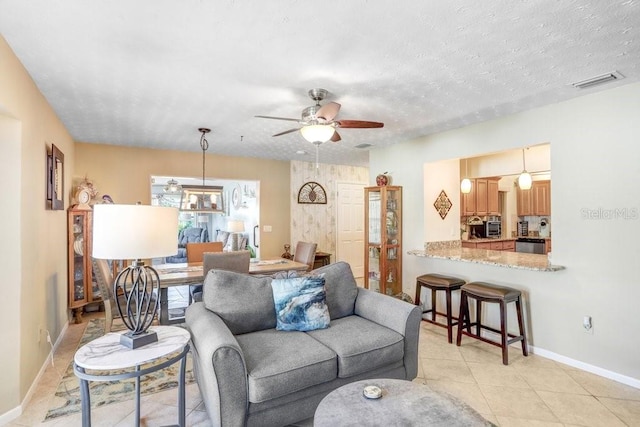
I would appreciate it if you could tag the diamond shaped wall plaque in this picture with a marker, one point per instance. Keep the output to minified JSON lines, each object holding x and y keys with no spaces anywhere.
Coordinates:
{"x":442,"y":204}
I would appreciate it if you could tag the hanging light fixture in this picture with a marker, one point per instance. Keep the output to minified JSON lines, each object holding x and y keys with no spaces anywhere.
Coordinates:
{"x":524,"y":180}
{"x":317,"y":135}
{"x":204,"y":145}
{"x":465,"y":184}
{"x":172,"y":186}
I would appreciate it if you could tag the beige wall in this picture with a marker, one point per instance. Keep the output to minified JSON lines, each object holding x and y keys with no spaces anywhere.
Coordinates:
{"x":124,"y":173}
{"x":34,"y":265}
{"x":594,"y":147}
{"x":317,"y":222}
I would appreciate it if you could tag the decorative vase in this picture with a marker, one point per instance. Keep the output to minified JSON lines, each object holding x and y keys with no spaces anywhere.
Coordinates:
{"x":383,"y":179}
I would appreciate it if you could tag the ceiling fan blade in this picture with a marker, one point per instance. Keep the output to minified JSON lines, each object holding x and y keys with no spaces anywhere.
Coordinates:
{"x":278,"y":118}
{"x":286,"y":132}
{"x":358,"y":124}
{"x":328,"y":111}
{"x":335,"y":137}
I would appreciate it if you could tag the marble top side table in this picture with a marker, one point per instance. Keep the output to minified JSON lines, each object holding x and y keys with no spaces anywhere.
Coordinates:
{"x":106,"y":354}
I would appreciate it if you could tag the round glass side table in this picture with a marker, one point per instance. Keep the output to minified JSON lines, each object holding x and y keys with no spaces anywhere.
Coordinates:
{"x":106,"y":354}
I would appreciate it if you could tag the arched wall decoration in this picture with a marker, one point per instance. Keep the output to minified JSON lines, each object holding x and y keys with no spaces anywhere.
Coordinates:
{"x":312,"y":193}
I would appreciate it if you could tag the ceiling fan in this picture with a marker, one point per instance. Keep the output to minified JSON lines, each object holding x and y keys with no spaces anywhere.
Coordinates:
{"x":319,"y":123}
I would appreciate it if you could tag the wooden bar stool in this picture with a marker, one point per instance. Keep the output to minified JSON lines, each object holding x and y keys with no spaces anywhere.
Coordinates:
{"x":438,"y":282}
{"x":502,"y":295}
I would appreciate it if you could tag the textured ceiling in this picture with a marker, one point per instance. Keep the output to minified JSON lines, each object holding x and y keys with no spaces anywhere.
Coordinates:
{"x":150,"y":72}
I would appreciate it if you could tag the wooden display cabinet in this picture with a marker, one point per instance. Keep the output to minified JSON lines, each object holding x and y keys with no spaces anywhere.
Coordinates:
{"x":383,"y":239}
{"x":83,"y":288}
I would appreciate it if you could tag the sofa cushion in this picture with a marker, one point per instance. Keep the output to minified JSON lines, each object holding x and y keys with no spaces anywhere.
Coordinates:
{"x":279,"y":363}
{"x":300,"y":304}
{"x":341,"y":288}
{"x":361,"y":345}
{"x":244,"y":302}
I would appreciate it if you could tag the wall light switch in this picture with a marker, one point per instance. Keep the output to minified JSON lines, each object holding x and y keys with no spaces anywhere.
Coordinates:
{"x":267,"y":229}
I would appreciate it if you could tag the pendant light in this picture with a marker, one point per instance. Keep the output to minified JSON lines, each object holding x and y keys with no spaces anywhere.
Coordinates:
{"x":465,"y":185}
{"x":524,"y":180}
{"x":172,"y":186}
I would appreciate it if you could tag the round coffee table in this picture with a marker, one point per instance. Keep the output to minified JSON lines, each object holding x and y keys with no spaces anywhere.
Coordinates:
{"x":403,"y":403}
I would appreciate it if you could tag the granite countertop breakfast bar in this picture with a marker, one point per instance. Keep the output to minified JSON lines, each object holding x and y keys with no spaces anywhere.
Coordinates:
{"x":452,"y":250}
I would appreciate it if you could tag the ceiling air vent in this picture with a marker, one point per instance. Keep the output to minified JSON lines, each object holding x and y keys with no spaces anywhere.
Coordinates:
{"x":598,"y":80}
{"x":363,"y":145}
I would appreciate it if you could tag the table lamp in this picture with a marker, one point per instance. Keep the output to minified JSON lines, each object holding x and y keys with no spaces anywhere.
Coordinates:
{"x":135,"y":232}
{"x":235,"y":227}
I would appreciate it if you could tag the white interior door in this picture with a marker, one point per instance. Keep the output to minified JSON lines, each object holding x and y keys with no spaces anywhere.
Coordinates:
{"x":350,"y":226}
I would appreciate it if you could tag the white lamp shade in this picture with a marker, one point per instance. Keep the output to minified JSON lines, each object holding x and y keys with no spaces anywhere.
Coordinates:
{"x":465,"y":186}
{"x":134,"y":231}
{"x":317,"y":133}
{"x":524,"y":180}
{"x":235,"y":226}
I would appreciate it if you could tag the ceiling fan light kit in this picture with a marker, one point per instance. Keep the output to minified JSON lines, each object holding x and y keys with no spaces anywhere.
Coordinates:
{"x":317,"y":133}
{"x":318,"y":124}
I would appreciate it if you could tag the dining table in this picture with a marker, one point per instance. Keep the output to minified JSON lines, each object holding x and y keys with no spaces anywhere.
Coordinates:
{"x":182,"y":274}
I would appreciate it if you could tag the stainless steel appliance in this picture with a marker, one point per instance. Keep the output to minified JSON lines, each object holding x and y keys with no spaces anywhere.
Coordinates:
{"x":492,"y":229}
{"x":530,"y":245}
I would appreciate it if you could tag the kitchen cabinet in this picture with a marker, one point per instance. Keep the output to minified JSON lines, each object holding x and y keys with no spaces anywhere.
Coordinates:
{"x":536,"y":201}
{"x":481,"y":196}
{"x":500,"y":245}
{"x":524,"y":202}
{"x":509,"y":245}
{"x":482,"y":199}
{"x":383,"y":239}
{"x":82,"y":286}
{"x":493,"y":206}
{"x":468,"y":200}
{"x":541,"y":197}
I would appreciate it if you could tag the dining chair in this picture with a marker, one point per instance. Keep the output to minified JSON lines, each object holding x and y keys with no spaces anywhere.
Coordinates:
{"x":104,"y":279}
{"x":237,"y":261}
{"x":195,"y":251}
{"x":306,"y":254}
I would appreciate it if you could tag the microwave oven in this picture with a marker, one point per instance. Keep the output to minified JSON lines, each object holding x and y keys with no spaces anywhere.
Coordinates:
{"x":492,"y":229}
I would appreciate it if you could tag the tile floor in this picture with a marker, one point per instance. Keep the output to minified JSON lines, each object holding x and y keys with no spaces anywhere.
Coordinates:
{"x":530,"y":391}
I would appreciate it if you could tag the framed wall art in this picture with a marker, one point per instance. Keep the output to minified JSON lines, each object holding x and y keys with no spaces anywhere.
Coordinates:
{"x":55,"y":179}
{"x":442,"y":204}
{"x":312,"y":193}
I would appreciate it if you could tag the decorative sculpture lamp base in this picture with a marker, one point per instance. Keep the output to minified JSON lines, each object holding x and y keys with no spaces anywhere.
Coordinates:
{"x":132,"y":341}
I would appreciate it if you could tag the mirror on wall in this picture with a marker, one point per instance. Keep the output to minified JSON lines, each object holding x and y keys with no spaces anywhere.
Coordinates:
{"x":211,"y":205}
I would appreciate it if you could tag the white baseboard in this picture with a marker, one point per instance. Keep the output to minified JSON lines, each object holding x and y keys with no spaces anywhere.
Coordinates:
{"x":632,"y":382}
{"x":14,"y":413}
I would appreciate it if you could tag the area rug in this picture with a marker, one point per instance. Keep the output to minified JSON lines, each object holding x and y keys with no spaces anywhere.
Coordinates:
{"x":67,"y":396}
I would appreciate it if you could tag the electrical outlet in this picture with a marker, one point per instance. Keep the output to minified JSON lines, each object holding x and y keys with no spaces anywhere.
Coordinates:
{"x":587,"y":325}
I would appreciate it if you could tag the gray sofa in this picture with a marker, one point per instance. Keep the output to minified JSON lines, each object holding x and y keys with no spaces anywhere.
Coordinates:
{"x":249,"y":373}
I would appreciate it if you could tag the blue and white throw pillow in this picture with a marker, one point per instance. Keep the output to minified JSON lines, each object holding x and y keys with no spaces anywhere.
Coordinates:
{"x":300,"y":304}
